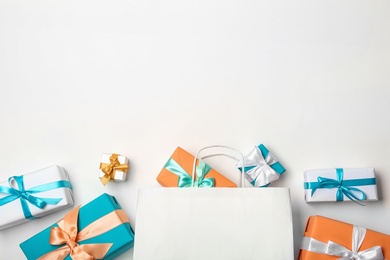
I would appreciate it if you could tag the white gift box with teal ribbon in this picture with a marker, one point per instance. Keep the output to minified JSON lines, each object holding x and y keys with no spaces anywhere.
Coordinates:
{"x":261,"y":167}
{"x":340,"y":184}
{"x":33,"y":195}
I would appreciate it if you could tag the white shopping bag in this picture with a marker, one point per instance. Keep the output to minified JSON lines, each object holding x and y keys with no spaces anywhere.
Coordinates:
{"x":213,"y":223}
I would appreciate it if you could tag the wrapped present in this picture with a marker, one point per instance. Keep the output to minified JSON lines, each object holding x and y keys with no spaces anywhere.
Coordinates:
{"x":99,"y":229}
{"x":261,"y":167}
{"x":177,"y":172}
{"x":113,"y":167}
{"x":325,"y":239}
{"x":356,"y":184}
{"x":34,"y":195}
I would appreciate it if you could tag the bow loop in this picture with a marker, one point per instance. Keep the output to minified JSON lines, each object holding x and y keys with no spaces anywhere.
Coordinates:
{"x":59,"y":236}
{"x":185,"y":179}
{"x":342,"y":189}
{"x":258,"y":168}
{"x":21,"y":193}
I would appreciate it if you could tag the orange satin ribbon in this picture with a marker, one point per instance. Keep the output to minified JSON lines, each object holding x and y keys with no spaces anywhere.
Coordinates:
{"x":109,"y":169}
{"x":66,"y":233}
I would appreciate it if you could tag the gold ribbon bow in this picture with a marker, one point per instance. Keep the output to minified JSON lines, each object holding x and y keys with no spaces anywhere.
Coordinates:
{"x":66,"y":233}
{"x":109,"y":169}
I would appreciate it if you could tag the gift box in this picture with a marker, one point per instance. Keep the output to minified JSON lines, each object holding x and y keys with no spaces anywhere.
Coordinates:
{"x":113,"y":167}
{"x":99,"y":229}
{"x":33,"y":195}
{"x":325,"y":239}
{"x":356,"y":184}
{"x":261,"y":167}
{"x":177,"y":172}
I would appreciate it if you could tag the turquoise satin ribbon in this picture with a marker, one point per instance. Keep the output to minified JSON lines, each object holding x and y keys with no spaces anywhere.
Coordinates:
{"x":26,"y":195}
{"x":185,"y":180}
{"x":344,"y":187}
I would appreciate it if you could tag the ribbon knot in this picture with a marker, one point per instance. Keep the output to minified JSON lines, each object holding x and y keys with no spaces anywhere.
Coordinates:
{"x":19,"y":192}
{"x":71,"y":244}
{"x":185,"y":179}
{"x":259,"y":171}
{"x":201,"y":170}
{"x":109,"y":169}
{"x":67,"y":235}
{"x":342,"y":190}
{"x":25,"y":196}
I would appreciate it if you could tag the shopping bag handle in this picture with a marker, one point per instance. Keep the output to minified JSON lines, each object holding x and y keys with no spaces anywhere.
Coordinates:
{"x":219,"y":154}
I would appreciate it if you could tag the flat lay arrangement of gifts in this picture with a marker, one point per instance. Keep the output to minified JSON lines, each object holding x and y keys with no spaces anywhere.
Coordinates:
{"x":261,"y":167}
{"x":325,"y":239}
{"x":338,"y":184}
{"x":113,"y":167}
{"x":34,"y":195}
{"x":177,"y":172}
{"x":99,"y":229}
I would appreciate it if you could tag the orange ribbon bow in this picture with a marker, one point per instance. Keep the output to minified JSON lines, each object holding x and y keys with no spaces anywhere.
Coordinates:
{"x":67,"y":233}
{"x":109,"y":169}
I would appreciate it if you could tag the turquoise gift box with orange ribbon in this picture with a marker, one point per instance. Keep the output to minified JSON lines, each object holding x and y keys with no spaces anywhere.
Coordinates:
{"x":340,"y":184}
{"x":35,"y":194}
{"x":98,"y":230}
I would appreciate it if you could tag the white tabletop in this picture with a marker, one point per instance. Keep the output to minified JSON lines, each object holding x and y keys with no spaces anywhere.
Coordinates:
{"x":309,"y":79}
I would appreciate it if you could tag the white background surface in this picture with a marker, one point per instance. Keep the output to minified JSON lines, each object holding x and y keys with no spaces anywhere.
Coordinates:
{"x":309,"y":79}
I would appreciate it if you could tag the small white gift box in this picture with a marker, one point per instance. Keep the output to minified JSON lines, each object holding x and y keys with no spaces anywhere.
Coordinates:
{"x":339,"y":184}
{"x":113,"y":167}
{"x":34,"y":195}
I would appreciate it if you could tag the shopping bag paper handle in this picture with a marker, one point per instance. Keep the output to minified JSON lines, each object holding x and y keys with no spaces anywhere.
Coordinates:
{"x":219,"y":154}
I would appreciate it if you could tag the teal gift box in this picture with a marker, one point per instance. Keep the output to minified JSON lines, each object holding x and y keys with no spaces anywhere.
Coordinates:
{"x":261,"y":167}
{"x":101,"y":225}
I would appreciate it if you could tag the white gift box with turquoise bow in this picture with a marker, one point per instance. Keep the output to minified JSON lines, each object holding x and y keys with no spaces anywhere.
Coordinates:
{"x":340,"y":184}
{"x":32,"y":195}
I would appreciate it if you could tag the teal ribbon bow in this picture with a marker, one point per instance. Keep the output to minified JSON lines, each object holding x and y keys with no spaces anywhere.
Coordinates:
{"x":185,"y":180}
{"x":344,"y":187}
{"x":26,"y":195}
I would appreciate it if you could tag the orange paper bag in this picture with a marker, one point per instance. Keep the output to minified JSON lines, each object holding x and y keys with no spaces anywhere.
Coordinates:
{"x":326,"y":239}
{"x":177,"y":172}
